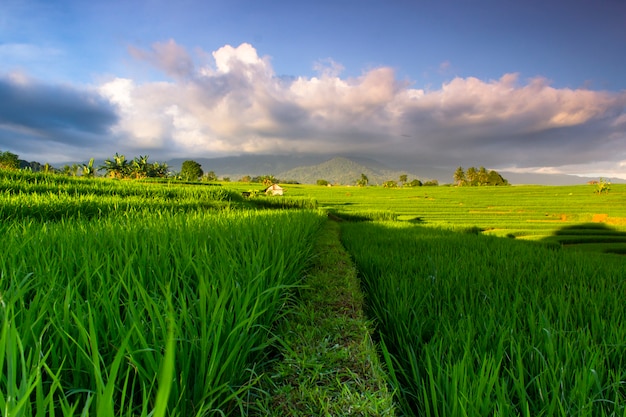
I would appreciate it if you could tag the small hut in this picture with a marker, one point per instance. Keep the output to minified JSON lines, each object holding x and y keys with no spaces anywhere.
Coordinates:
{"x":274,"y":189}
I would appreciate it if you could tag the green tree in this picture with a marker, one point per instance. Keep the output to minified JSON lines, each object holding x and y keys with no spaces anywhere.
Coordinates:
{"x":116,"y":167}
{"x":363,"y":181}
{"x":390,"y":184}
{"x":158,"y":170}
{"x":245,"y":178}
{"x":471,"y":175}
{"x":494,"y":178}
{"x":140,"y":168}
{"x":9,"y":160}
{"x":210,"y":176}
{"x":415,"y":183}
{"x":603,"y":186}
{"x":404,"y":178}
{"x":483,"y":176}
{"x":191,"y":170}
{"x":88,"y":169}
{"x":268,"y":180}
{"x":322,"y":182}
{"x":459,"y":176}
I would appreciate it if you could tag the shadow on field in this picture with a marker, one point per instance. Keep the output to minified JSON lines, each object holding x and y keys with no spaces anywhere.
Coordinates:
{"x":594,"y":236}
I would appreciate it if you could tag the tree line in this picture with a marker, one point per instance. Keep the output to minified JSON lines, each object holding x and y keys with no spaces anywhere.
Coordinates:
{"x":477,"y":176}
{"x":120,"y":167}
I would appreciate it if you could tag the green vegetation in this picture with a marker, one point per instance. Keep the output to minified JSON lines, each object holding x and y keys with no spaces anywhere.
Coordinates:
{"x":475,"y":326}
{"x":329,"y":364}
{"x":480,"y":176}
{"x":135,"y":301}
{"x":154,"y":296}
{"x":191,"y":171}
{"x":9,"y":160}
{"x":537,"y":213}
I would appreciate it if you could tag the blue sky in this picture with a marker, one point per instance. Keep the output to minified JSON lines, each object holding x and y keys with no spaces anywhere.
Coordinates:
{"x":533,"y":86}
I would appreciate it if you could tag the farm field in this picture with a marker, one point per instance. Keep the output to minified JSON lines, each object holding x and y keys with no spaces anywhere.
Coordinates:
{"x":123,"y":298}
{"x":475,"y":325}
{"x":572,"y":215}
{"x":161,"y":298}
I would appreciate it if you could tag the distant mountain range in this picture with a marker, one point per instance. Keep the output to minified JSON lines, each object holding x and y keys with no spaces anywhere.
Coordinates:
{"x":302,"y":169}
{"x":347,"y":170}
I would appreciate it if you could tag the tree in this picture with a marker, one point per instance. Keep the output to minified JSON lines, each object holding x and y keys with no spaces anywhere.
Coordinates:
{"x":158,"y":170}
{"x":494,"y":178}
{"x":603,"y":186}
{"x":140,"y":168}
{"x":390,"y":184}
{"x":88,"y":170}
{"x":117,"y":167}
{"x":191,"y":171}
{"x":459,"y":176}
{"x":210,"y":176}
{"x":268,"y":180}
{"x":483,"y":176}
{"x":471,"y":175}
{"x":245,"y":178}
{"x":415,"y":183}
{"x":322,"y":182}
{"x":404,"y":178}
{"x":363,"y":181}
{"x":9,"y":160}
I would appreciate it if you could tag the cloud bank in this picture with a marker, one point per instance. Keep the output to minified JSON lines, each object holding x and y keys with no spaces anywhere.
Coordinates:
{"x":232,"y":102}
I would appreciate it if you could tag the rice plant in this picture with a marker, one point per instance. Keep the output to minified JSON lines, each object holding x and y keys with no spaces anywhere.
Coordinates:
{"x":475,"y":326}
{"x":144,"y":311}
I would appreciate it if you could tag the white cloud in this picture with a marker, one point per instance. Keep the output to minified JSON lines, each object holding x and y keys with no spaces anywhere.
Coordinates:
{"x":236,"y":104}
{"x":239,"y":105}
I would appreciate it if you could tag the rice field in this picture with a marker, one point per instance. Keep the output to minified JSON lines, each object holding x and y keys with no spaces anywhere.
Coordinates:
{"x":473,"y":325}
{"x":574,"y":216}
{"x":133,"y":298}
{"x":122,"y":298}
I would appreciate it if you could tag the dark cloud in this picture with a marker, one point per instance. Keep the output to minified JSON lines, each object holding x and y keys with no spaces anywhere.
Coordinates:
{"x":57,"y":113}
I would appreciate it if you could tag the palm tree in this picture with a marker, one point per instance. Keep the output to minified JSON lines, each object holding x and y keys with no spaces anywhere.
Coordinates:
{"x":459,"y":176}
{"x":269,"y":180}
{"x":117,"y":167}
{"x":158,"y":170}
{"x":140,"y":167}
{"x":88,"y":170}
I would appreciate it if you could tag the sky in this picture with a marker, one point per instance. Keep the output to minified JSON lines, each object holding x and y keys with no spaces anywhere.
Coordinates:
{"x":523,"y":86}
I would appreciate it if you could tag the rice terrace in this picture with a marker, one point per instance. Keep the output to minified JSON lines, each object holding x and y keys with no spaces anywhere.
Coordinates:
{"x":181,"y":298}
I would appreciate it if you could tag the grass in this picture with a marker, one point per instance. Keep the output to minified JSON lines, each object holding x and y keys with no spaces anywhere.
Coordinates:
{"x":139,"y":298}
{"x":535,"y":213}
{"x":328,"y":364}
{"x":476,"y":325}
{"x":143,"y":311}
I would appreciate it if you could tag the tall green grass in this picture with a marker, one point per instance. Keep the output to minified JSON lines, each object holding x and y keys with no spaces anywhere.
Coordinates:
{"x":43,"y":197}
{"x":480,"y":326}
{"x":523,"y":212}
{"x":149,"y":311}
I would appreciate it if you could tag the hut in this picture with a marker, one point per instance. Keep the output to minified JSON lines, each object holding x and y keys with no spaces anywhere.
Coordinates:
{"x":274,"y":189}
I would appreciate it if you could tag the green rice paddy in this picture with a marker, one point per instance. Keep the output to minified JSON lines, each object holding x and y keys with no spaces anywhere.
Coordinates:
{"x":149,"y":299}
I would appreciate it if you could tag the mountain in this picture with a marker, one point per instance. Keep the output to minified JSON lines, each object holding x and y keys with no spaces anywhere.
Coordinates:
{"x":342,"y":170}
{"x":236,"y":167}
{"x":347,"y":169}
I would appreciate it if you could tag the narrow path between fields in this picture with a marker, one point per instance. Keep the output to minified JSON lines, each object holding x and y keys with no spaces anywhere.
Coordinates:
{"x":330,"y":365}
